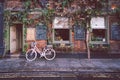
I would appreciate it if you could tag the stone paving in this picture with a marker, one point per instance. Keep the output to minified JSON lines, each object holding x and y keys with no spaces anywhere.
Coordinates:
{"x":21,"y":65}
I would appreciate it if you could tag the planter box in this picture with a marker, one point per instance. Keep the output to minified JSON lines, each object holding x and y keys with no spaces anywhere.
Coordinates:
{"x":99,"y":50}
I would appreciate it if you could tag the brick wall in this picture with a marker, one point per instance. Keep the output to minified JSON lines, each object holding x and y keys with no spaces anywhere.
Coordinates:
{"x":79,"y":46}
{"x":13,"y":4}
{"x":114,"y":44}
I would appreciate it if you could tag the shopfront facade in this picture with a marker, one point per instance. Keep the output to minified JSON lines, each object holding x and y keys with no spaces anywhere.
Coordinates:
{"x":66,"y":33}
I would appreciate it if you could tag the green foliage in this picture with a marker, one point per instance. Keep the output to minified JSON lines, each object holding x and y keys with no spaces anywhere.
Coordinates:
{"x":25,"y":47}
{"x":5,"y":34}
{"x":6,"y":13}
{"x":25,"y":32}
{"x":47,"y":14}
{"x":27,"y":4}
{"x":99,"y":46}
{"x":64,"y":3}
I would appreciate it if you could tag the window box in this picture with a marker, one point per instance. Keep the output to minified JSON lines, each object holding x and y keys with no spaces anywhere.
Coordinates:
{"x":99,"y":48}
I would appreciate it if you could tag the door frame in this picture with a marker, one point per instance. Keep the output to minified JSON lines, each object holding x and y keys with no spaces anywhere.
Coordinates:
{"x":22,"y":43}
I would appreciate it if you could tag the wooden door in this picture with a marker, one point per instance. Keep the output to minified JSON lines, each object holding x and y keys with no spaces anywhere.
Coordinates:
{"x":13,"y":40}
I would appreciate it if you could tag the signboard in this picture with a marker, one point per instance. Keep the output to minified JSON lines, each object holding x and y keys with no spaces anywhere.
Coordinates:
{"x":60,"y":23}
{"x":79,"y":32}
{"x":115,"y":32}
{"x":41,"y":32}
{"x":30,"y":34}
{"x":98,"y":23}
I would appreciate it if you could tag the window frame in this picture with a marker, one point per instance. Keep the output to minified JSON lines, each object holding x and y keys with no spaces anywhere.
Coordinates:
{"x":70,"y":33}
{"x":106,"y":33}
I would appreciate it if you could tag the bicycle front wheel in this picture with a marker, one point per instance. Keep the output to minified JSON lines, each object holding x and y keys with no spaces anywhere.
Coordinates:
{"x":50,"y":54}
{"x":31,"y":55}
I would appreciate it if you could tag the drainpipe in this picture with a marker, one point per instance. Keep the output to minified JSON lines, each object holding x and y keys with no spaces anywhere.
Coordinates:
{"x":1,"y":29}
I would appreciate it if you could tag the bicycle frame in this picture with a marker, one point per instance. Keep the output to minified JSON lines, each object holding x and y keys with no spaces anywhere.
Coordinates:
{"x":42,"y":53}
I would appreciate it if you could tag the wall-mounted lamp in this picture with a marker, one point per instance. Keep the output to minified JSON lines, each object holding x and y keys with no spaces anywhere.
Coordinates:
{"x":113,"y":6}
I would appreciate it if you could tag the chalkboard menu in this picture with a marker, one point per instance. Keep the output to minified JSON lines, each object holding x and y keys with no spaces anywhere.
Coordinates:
{"x":79,"y":32}
{"x":41,"y":32}
{"x":115,"y":32}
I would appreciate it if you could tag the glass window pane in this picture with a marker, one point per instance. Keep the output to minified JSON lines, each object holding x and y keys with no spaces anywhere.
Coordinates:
{"x":98,"y":35}
{"x":61,"y":34}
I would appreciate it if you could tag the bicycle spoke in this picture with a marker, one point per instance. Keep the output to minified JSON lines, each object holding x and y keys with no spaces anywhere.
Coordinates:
{"x":31,"y":55}
{"x":50,"y":54}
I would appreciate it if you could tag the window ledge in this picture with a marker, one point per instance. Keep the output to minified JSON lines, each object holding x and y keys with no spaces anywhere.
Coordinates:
{"x":98,"y":42}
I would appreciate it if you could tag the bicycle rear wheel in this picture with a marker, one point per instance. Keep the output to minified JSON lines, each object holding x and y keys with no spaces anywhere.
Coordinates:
{"x":50,"y":54}
{"x":31,"y":55}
